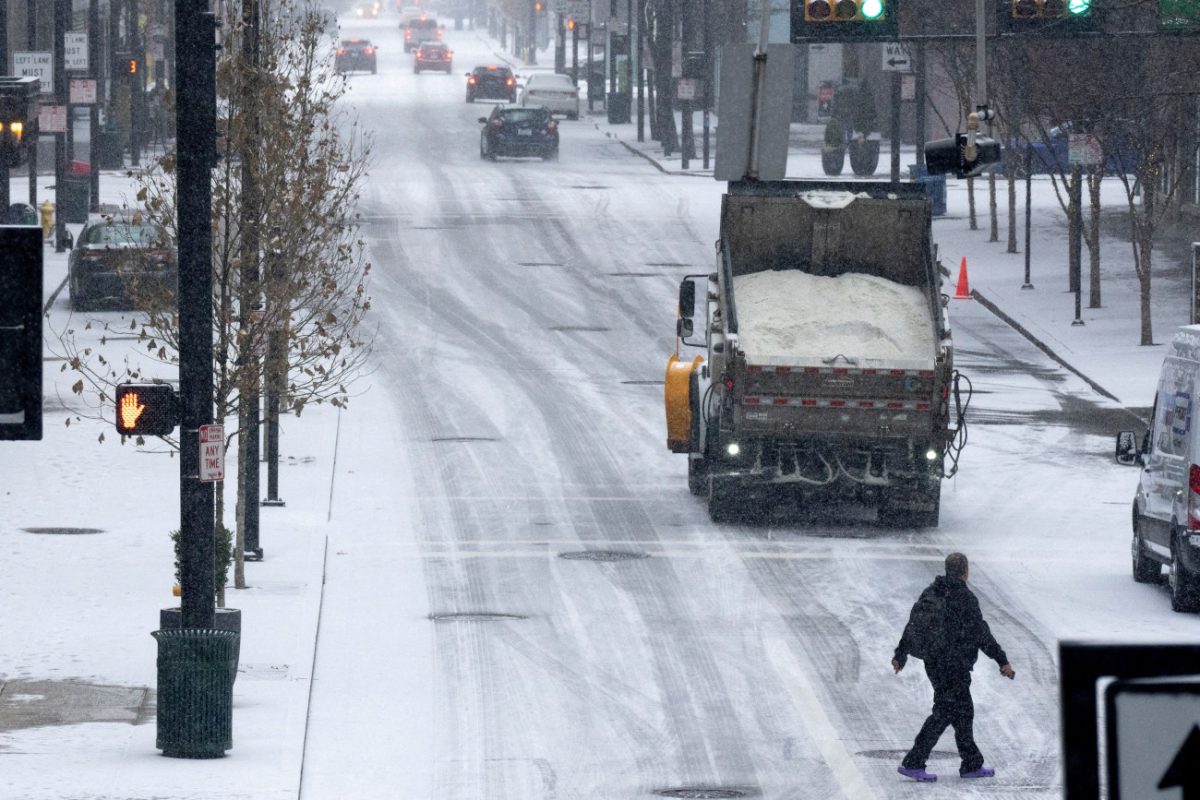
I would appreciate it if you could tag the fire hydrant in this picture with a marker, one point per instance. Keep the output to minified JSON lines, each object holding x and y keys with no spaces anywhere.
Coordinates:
{"x":47,"y":215}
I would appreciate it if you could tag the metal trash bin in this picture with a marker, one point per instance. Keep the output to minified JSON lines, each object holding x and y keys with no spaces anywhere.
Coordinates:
{"x":195,"y":692}
{"x":73,"y":198}
{"x":21,"y":214}
{"x":935,"y":187}
{"x":618,"y":106}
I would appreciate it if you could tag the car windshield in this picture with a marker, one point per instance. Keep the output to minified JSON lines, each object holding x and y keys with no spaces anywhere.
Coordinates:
{"x":356,"y":44}
{"x":498,"y":72}
{"x":519,"y":115}
{"x":551,"y":82}
{"x":123,"y":234}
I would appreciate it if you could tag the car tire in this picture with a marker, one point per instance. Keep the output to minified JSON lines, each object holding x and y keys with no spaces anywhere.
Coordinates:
{"x":1145,"y":569}
{"x":1182,"y":583}
{"x":551,"y":154}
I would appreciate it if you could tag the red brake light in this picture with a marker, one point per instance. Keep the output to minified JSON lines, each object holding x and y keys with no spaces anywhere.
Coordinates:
{"x":369,"y":50}
{"x":729,"y":384}
{"x":572,"y":95}
{"x":496,"y":123}
{"x":508,"y":82}
{"x":1194,"y":478}
{"x":341,"y":51}
{"x":471,"y":79}
{"x":551,"y":126}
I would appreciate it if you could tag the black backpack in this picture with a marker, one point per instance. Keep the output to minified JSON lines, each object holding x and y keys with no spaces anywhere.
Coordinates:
{"x":926,"y":633}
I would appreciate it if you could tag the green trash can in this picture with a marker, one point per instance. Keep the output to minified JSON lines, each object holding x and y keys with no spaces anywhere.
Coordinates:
{"x":195,"y":692}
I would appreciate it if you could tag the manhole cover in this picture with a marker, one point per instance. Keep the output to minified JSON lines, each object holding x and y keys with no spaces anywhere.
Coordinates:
{"x":634,"y":274}
{"x":708,"y":793}
{"x":604,"y":555}
{"x":579,"y":186}
{"x":642,"y":383}
{"x":897,"y":755}
{"x":578,"y":329}
{"x":63,"y":531}
{"x":538,"y":264}
{"x":475,"y":616}
{"x":462,"y":439}
{"x":671,"y":264}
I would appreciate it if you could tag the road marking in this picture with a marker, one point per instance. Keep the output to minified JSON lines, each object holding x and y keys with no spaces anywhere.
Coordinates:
{"x":845,"y":773}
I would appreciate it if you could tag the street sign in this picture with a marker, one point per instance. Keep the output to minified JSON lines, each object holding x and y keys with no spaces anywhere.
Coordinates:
{"x":908,"y":86}
{"x":75,"y":45}
{"x":36,"y":64}
{"x":83,"y":91}
{"x":1153,"y":738}
{"x":686,"y":88}
{"x":52,"y":119}
{"x":212,"y":453}
{"x":1084,"y":148}
{"x":895,"y":59}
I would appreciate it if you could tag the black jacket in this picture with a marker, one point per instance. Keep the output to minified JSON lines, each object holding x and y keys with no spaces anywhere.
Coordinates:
{"x":966,"y":629}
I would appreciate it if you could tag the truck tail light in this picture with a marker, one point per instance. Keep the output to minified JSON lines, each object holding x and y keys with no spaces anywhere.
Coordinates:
{"x":1193,"y":520}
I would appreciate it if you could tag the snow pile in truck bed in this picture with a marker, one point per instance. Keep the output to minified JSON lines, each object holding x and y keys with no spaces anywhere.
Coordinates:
{"x":791,"y":314}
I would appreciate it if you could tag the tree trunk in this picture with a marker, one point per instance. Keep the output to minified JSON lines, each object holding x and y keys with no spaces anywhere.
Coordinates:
{"x":1092,"y":237}
{"x":974,"y":224}
{"x":1145,"y":249}
{"x":994,"y":230}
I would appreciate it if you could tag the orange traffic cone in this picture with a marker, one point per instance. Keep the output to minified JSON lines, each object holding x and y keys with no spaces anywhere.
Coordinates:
{"x":963,"y":292}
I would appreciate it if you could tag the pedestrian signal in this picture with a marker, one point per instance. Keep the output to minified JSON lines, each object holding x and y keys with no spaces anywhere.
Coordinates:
{"x":146,"y":409}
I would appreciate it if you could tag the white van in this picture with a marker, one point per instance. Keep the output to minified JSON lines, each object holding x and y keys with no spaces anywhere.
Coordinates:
{"x":1166,"y":509}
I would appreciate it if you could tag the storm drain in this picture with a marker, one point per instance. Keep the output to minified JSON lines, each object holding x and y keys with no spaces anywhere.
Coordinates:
{"x":604,"y":555}
{"x":705,"y":792}
{"x":667,"y":264}
{"x":462,"y":439}
{"x":63,"y":531}
{"x":633,"y":274}
{"x":578,"y":329}
{"x":538,"y":264}
{"x":475,"y":616}
{"x":642,"y":383}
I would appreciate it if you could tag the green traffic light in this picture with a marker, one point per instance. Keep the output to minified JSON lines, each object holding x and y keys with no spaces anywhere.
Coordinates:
{"x":1079,"y":8}
{"x":873,"y":9}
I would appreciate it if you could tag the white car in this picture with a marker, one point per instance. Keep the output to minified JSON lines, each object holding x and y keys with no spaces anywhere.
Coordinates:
{"x":553,"y":91}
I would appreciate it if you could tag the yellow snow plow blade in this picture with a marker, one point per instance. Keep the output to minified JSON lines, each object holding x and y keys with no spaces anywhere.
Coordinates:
{"x":678,"y":402}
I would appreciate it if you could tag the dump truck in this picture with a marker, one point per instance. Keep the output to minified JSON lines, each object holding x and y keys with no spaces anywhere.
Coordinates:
{"x":828,"y":367}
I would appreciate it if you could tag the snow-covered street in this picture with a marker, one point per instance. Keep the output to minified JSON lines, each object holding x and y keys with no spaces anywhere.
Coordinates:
{"x":490,"y":581}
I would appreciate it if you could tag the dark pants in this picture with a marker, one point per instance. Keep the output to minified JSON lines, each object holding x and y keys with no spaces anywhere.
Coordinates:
{"x":951,"y":706}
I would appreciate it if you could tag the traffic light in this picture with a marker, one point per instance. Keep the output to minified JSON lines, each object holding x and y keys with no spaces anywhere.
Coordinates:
{"x":537,"y":6}
{"x":21,"y":332}
{"x":1047,"y":17}
{"x":18,"y":118}
{"x":131,"y":66}
{"x":570,"y":24}
{"x":146,"y":409}
{"x":844,"y":20}
{"x":949,"y":156}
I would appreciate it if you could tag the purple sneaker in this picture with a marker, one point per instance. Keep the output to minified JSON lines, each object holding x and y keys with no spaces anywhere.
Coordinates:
{"x":982,"y":772}
{"x":918,"y":774}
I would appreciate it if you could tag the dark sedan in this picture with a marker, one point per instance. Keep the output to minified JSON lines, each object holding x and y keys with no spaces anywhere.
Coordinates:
{"x":121,"y":263}
{"x":516,"y":131}
{"x":355,"y":55}
{"x":433,"y":55}
{"x":491,"y":82}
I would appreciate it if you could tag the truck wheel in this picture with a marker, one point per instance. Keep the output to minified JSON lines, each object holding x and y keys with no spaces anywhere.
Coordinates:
{"x":697,"y":465}
{"x":1145,"y":569}
{"x":723,"y":503}
{"x":1182,"y":582}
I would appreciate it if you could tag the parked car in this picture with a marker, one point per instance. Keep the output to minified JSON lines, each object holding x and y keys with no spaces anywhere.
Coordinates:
{"x":518,"y":131}
{"x":433,"y":55}
{"x":553,"y":91}
{"x":120,"y":261}
{"x":355,"y":55}
{"x":421,"y":29}
{"x":491,"y":82}
{"x":1166,"y":507}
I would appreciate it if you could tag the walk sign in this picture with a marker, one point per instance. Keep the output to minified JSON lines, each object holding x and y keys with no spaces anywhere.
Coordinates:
{"x":1153,"y":738}
{"x":212,"y":453}
{"x":895,"y":58}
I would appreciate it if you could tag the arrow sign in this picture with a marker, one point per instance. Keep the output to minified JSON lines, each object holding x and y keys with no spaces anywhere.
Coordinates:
{"x":1185,"y":768}
{"x":1154,"y":736}
{"x":895,"y":59}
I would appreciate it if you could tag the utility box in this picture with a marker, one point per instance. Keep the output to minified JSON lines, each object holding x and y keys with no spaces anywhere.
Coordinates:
{"x":74,"y":197}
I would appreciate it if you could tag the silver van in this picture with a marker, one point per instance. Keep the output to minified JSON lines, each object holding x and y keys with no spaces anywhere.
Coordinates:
{"x":1166,"y":509}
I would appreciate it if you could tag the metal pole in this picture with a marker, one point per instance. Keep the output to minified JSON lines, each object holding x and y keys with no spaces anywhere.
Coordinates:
{"x":532,"y":59}
{"x":5,"y":199}
{"x":560,"y":43}
{"x":31,"y":39}
{"x":575,"y":53}
{"x":276,"y":374}
{"x":250,"y":301}
{"x":1028,"y":284}
{"x":589,"y":58}
{"x":895,"y":124}
{"x":708,"y":80}
{"x":94,"y":109}
{"x":1195,"y":255}
{"x":758,"y":92}
{"x":137,"y":89}
{"x":641,"y":73}
{"x":62,"y":18}
{"x":195,"y":33}
{"x":919,"y":116}
{"x":981,"y":50}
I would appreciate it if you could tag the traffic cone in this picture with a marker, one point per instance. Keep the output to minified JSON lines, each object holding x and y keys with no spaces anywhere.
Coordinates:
{"x":963,"y":292}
